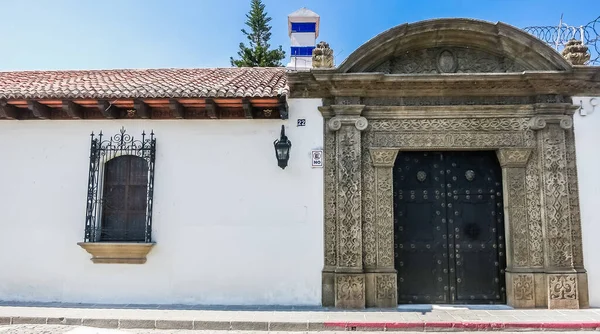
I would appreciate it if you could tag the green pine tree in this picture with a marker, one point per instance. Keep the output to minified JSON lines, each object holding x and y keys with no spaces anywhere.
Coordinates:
{"x":258,"y":53}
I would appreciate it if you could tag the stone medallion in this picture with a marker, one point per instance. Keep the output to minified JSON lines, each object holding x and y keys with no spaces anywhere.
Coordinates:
{"x":446,"y":62}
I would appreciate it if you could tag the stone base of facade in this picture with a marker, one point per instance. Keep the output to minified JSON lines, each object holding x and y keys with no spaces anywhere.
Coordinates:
{"x":554,"y":290}
{"x":358,"y":290}
{"x":381,"y":290}
{"x":583,"y":294}
{"x":523,"y":289}
{"x":328,"y":288}
{"x":350,"y":290}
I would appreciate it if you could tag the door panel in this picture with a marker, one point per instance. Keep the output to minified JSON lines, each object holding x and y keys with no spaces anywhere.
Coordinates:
{"x":420,"y":234}
{"x":449,"y":242}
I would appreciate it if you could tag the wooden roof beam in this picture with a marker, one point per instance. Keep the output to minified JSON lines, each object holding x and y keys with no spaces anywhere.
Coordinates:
{"x":283,"y":107}
{"x":211,"y":109}
{"x":142,"y":109}
{"x":72,"y":109}
{"x":8,"y":111}
{"x":177,"y":109}
{"x":38,"y":110}
{"x":108,"y":110}
{"x":247,"y":106}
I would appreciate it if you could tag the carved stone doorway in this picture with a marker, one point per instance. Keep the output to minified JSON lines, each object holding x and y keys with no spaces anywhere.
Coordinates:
{"x":449,"y":228}
{"x":451,"y":85}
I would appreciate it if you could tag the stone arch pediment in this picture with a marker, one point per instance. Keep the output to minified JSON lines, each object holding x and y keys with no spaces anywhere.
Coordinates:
{"x":453,"y":46}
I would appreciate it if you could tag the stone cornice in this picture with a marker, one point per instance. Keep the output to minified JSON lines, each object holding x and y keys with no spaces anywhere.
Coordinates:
{"x":457,"y":111}
{"x":349,"y":110}
{"x":555,"y":108}
{"x":327,"y":83}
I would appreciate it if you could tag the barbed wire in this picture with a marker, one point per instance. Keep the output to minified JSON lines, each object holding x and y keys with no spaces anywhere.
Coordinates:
{"x":559,"y":35}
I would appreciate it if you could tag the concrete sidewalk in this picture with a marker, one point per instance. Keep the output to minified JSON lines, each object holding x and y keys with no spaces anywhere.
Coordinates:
{"x":261,"y":318}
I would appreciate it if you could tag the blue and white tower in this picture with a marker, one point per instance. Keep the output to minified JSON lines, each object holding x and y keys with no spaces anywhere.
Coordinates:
{"x":303,"y":28}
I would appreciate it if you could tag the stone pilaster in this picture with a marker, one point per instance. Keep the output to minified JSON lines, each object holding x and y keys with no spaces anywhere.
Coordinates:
{"x":562,"y":281}
{"x":519,"y":282}
{"x":381,"y":289}
{"x":329,"y":211}
{"x":349,"y":279}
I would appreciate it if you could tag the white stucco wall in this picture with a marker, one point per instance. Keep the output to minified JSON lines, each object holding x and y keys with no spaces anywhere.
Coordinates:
{"x":587,"y":140}
{"x":231,"y":227}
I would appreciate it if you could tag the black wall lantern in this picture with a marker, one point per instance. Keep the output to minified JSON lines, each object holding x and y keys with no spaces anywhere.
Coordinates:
{"x":282,"y":149}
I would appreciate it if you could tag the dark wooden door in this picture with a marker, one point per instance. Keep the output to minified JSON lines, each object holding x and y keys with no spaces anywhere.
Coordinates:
{"x":449,"y":228}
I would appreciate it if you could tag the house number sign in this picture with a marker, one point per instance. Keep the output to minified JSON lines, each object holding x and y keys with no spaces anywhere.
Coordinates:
{"x":317,"y":158}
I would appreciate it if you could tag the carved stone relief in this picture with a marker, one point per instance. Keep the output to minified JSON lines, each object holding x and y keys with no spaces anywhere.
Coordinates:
{"x":385,"y":218}
{"x":562,"y":291}
{"x":349,"y":290}
{"x":563,"y":286}
{"x":556,"y":197}
{"x":513,"y":162}
{"x":385,"y":286}
{"x":517,"y":157}
{"x":534,"y":211}
{"x":349,"y":278}
{"x":446,"y":139}
{"x":383,"y":160}
{"x":348,"y":198}
{"x":523,"y":287}
{"x":450,"y":124}
{"x":574,"y":200}
{"x":532,"y":135}
{"x":369,"y":193}
{"x":535,"y":160}
{"x":448,"y":60}
{"x":517,"y":215}
{"x":330,"y":198}
{"x":461,"y":100}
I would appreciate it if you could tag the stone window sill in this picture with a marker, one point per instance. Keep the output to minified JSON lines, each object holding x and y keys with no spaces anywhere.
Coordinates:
{"x":117,"y":252}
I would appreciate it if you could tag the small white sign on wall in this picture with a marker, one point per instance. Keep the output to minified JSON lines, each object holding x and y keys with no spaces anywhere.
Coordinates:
{"x":317,"y":158}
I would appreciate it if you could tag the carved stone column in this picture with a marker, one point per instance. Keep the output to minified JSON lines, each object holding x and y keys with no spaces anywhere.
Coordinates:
{"x":381,"y":286}
{"x":564,"y":284}
{"x":349,"y":277}
{"x":329,"y":210}
{"x":519,"y":279}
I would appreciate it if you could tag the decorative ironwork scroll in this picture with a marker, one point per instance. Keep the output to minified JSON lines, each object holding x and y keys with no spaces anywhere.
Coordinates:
{"x":560,"y":35}
{"x":101,"y":151}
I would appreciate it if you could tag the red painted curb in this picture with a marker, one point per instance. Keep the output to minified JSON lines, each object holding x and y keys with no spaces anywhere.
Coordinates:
{"x":474,"y":325}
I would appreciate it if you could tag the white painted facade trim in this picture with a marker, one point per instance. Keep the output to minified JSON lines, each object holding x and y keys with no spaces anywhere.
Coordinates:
{"x":587,"y":140}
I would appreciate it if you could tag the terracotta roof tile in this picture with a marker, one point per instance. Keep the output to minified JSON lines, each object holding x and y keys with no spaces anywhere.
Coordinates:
{"x":149,"y":83}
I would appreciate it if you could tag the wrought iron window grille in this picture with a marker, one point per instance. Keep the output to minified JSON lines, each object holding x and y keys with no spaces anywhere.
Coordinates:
{"x":103,"y":150}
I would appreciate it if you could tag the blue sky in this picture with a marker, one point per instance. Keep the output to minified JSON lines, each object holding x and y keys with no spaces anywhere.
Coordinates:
{"x":96,"y":34}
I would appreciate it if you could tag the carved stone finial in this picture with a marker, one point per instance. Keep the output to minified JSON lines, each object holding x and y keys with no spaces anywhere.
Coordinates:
{"x":322,"y":56}
{"x":576,"y":52}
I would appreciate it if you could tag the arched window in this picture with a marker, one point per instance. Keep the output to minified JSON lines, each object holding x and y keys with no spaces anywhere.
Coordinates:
{"x":124,"y":199}
{"x":120,"y":188}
